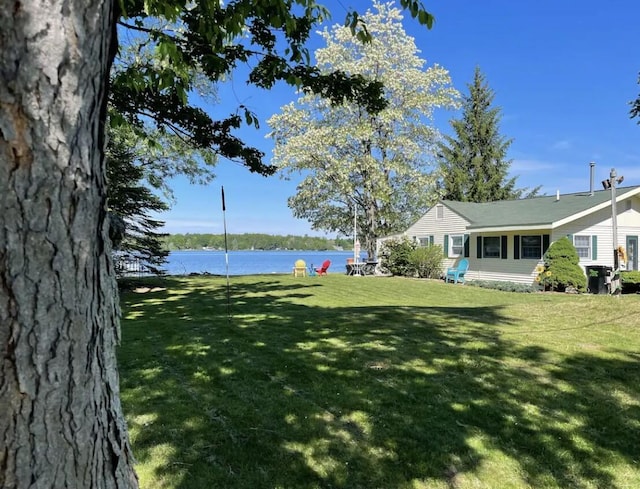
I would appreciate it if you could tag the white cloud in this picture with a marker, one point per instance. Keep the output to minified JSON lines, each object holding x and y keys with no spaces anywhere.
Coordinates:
{"x":530,"y":166}
{"x":562,"y":145}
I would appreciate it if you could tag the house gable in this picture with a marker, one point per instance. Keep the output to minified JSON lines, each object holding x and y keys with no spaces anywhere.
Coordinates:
{"x":442,"y":226}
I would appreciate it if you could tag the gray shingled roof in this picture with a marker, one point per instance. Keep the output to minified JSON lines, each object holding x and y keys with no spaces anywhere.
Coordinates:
{"x":537,"y":211}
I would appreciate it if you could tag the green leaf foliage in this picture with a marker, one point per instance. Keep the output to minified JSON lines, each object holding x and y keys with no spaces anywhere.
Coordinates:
{"x":473,"y":162}
{"x":635,"y":106}
{"x":134,"y":231}
{"x":503,"y":286}
{"x":176,"y":46}
{"x":396,"y":256}
{"x":630,"y":281}
{"x":378,"y":164}
{"x":427,"y":261}
{"x":248,"y":241}
{"x":563,"y":263}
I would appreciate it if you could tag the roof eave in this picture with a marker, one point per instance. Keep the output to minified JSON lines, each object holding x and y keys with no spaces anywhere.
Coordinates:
{"x":513,"y":227}
{"x":596,"y":208}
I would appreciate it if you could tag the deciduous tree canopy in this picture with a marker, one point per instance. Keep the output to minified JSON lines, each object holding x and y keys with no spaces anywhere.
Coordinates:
{"x":61,"y":422}
{"x":376,"y":164}
{"x":179,"y":49}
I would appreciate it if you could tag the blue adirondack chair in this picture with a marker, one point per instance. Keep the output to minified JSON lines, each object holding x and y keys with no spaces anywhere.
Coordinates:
{"x":456,"y":274}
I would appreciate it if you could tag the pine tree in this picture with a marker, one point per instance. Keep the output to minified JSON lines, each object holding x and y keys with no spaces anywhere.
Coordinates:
{"x":635,"y":106}
{"x":474,"y":164}
{"x":134,"y":236}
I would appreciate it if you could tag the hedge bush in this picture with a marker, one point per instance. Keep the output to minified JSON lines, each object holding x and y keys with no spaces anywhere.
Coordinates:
{"x":426,"y":261}
{"x":630,"y":282}
{"x":504,"y":286}
{"x":395,"y":256}
{"x":404,"y":257}
{"x":562,"y":267}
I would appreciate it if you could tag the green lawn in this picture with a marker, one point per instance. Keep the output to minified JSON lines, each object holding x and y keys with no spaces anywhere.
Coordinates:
{"x":367,"y":382}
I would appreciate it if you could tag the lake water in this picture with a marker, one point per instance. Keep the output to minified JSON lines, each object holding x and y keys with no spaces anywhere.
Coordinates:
{"x":251,"y":262}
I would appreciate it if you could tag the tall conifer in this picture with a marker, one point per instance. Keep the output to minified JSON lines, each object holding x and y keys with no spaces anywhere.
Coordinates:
{"x":130,"y":206}
{"x":473,"y":163}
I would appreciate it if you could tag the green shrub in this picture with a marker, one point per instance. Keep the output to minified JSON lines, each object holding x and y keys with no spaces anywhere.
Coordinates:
{"x":426,"y":261}
{"x":630,"y":282}
{"x":562,"y":267}
{"x":395,"y":256}
{"x":504,"y":286}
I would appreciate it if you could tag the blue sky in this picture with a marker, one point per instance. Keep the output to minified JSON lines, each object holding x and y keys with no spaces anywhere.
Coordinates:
{"x":563,"y":73}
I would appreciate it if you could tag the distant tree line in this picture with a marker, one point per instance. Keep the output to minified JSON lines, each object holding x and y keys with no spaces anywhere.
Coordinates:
{"x":255,"y":241}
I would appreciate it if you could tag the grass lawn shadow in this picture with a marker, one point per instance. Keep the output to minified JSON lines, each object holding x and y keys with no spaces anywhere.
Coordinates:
{"x":370,"y":383}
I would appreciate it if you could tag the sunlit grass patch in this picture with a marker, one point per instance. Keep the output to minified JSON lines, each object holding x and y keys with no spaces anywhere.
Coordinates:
{"x":390,"y":383}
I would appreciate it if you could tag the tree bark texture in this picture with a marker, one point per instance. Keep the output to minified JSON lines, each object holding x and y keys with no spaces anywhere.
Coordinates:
{"x":61,"y":424}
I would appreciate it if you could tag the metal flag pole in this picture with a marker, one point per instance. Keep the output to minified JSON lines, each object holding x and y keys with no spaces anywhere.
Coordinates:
{"x":355,"y":232}
{"x":226,"y":253}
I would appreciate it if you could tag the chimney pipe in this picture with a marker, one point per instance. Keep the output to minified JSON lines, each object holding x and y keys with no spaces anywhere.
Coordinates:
{"x":592,"y":167}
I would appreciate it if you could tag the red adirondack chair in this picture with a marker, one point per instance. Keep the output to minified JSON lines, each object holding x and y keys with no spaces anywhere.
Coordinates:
{"x":323,"y":269}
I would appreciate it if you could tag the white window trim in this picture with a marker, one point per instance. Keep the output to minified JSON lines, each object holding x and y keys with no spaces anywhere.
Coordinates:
{"x":439,"y":212}
{"x":589,"y":250}
{"x":451,"y":253}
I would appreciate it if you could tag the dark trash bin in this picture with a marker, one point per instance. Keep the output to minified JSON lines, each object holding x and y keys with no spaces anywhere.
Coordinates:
{"x":597,"y":278}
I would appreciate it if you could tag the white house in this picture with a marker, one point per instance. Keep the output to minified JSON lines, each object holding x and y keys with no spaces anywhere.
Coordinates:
{"x":506,"y":240}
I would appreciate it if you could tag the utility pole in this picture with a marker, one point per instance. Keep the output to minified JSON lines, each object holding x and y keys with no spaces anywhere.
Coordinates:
{"x":616,"y":288}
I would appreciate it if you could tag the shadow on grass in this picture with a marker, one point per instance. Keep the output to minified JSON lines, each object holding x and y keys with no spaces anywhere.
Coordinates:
{"x":290,"y":395}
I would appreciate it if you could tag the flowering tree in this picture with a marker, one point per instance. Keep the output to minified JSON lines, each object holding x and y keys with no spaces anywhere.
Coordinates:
{"x":376,"y":165}
{"x":60,"y":418}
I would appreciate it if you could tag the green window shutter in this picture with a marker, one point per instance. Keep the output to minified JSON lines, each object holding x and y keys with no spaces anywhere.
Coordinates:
{"x":545,"y":243}
{"x":516,"y":247}
{"x":594,"y":247}
{"x":503,"y":251}
{"x":446,"y":245}
{"x":479,"y":246}
{"x":466,"y":246}
{"x":431,"y":240}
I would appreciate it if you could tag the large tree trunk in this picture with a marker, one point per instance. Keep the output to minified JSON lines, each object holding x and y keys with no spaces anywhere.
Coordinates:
{"x":61,"y":424}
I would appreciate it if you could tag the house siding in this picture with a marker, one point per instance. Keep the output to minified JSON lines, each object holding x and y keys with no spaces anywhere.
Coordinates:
{"x":522,"y":270}
{"x":600,"y":224}
{"x":503,"y":269}
{"x":428,"y":225}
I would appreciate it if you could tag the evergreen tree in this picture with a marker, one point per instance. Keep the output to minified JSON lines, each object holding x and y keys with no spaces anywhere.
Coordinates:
{"x":474,"y":164}
{"x":129,"y":204}
{"x":562,"y":267}
{"x":635,"y":106}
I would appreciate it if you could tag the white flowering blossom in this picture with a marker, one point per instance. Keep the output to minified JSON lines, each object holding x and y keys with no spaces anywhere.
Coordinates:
{"x":380,"y":163}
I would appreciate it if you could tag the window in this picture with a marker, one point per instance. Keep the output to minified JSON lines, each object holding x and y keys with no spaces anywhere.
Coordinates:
{"x":491,"y":247}
{"x":439,"y":212}
{"x":456,"y":244}
{"x":582,"y":243}
{"x":426,"y":241}
{"x":531,"y":247}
